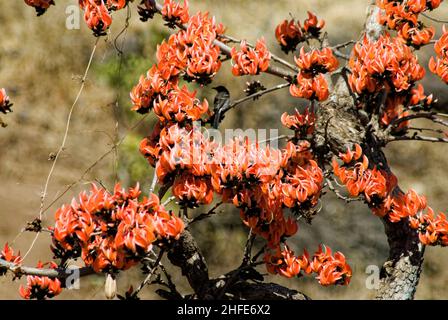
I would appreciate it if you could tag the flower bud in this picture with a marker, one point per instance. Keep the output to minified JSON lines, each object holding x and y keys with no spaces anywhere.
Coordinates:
{"x":110,"y":288}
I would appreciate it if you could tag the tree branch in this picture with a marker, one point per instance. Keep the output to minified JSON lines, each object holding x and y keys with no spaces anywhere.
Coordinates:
{"x":60,"y":273}
{"x":418,"y":138}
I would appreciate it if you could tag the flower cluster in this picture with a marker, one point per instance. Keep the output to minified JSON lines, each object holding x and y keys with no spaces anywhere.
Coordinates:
{"x":250,"y":61}
{"x":313,"y":25}
{"x":402,"y":16}
{"x":97,"y":13}
{"x":7,"y":254}
{"x":190,"y":53}
{"x":384,"y":64}
{"x":41,"y":288}
{"x":147,"y":9}
{"x":174,"y":13}
{"x":380,"y":192}
{"x":439,"y":65}
{"x":311,"y":83}
{"x":302,"y":123}
{"x":290,"y":33}
{"x":5,"y":105}
{"x":432,"y":230}
{"x":40,"y":5}
{"x":330,"y":270}
{"x":185,"y":161}
{"x":112,"y":232}
{"x":419,"y":99}
{"x":260,"y":181}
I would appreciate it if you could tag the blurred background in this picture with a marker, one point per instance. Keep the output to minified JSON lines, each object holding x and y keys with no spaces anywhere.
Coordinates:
{"x":41,"y":65}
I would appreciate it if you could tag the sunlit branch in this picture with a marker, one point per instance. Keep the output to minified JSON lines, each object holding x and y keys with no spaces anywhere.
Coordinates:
{"x":418,"y":138}
{"x":19,"y":271}
{"x":254,"y":96}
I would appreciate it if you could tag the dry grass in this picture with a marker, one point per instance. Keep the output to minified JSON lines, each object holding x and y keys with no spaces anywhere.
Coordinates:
{"x":41,"y":63}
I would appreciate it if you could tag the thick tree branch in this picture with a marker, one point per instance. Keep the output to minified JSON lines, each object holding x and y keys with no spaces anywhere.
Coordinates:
{"x":264,"y":291}
{"x":339,"y":125}
{"x":186,"y":255}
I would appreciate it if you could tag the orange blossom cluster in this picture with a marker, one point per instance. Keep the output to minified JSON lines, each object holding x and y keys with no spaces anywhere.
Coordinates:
{"x":112,"y":232}
{"x":380,"y":191}
{"x":402,"y":16}
{"x":311,"y":83}
{"x":41,"y":288}
{"x":40,"y":5}
{"x":5,"y":105}
{"x":439,"y":65}
{"x":290,"y":33}
{"x":250,"y":61}
{"x":7,"y":254}
{"x":330,"y":270}
{"x":388,"y":66}
{"x":97,"y":13}
{"x":189,"y":53}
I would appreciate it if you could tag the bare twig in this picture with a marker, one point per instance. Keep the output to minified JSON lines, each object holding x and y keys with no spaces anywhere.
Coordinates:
{"x":343,"y":45}
{"x":95,"y":163}
{"x":341,"y":55}
{"x":434,"y":19}
{"x":169,"y":200}
{"x":418,"y":138}
{"x":253,"y":96}
{"x":67,"y":127}
{"x":433,"y":116}
{"x":153,"y":183}
{"x":151,"y":273}
{"x":206,"y":215}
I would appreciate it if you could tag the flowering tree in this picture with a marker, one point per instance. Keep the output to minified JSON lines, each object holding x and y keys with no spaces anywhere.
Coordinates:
{"x":338,"y":139}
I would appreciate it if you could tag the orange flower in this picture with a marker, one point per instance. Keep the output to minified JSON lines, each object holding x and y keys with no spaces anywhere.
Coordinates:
{"x":96,"y":15}
{"x":311,"y":83}
{"x":41,"y":287}
{"x":416,"y":36}
{"x":175,"y":13}
{"x":116,"y":4}
{"x":316,"y":62}
{"x":432,"y":229}
{"x":386,"y":63}
{"x":350,"y":156}
{"x":250,"y":61}
{"x":5,"y":105}
{"x":302,"y":123}
{"x":312,"y":25}
{"x":395,"y":110}
{"x":147,"y":9}
{"x":310,"y":88}
{"x":111,"y":232}
{"x":289,"y":35}
{"x":439,"y":65}
{"x":192,"y":191}
{"x":419,"y":97}
{"x":40,"y":5}
{"x":8,"y":254}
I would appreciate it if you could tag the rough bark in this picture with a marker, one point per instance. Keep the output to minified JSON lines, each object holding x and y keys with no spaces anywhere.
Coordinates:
{"x":187,"y":255}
